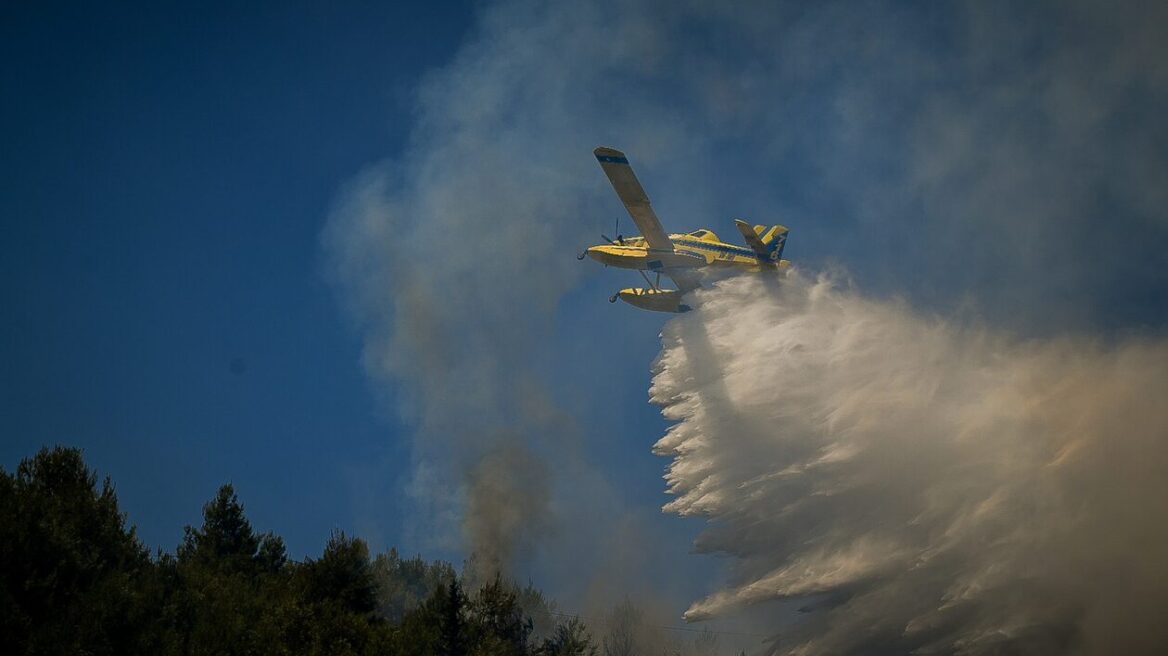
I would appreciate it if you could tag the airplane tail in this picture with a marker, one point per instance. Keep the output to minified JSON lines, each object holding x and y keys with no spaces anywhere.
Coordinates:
{"x":766,"y":242}
{"x":774,"y":238}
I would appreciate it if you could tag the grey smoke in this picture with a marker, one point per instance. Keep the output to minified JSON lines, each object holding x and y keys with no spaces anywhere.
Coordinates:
{"x":995,"y":159}
{"x":951,"y":489}
{"x":507,"y":499}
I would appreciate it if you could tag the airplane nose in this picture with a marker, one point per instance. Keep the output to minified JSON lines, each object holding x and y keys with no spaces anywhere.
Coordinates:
{"x":595,"y":252}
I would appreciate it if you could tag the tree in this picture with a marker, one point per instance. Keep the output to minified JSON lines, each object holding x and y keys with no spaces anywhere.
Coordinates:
{"x":343,"y":575}
{"x":569,"y":638}
{"x":538,"y":609}
{"x":452,"y":629}
{"x":70,"y":570}
{"x":229,"y":590}
{"x":227,"y":542}
{"x":74,"y":579}
{"x":404,"y":585}
{"x":497,"y":622}
{"x":624,"y":629}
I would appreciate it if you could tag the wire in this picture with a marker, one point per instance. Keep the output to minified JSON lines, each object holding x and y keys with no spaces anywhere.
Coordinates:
{"x":688,"y":629}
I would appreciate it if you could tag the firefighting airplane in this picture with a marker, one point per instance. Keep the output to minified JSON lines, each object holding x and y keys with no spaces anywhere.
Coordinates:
{"x":678,"y":255}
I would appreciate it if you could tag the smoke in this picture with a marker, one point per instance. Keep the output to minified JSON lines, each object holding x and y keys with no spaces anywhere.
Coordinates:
{"x":1001,"y":158}
{"x":507,"y":500}
{"x":453,"y":315}
{"x":945,"y":488}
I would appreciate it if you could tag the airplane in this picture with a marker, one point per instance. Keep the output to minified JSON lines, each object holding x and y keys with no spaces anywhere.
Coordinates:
{"x":680,"y":255}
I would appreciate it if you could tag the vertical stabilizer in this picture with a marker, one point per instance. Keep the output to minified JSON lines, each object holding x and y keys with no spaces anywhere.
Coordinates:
{"x":767,"y":243}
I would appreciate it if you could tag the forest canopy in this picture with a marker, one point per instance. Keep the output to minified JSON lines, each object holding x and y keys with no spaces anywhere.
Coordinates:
{"x":75,"y":579}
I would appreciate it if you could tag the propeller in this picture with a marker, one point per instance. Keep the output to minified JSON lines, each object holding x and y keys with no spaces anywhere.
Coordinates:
{"x":620,"y":239}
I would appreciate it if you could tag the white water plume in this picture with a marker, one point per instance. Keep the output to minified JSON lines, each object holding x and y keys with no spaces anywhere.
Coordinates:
{"x":943,"y":488}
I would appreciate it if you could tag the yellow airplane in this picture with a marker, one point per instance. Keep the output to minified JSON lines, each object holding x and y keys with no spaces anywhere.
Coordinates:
{"x":678,"y":256}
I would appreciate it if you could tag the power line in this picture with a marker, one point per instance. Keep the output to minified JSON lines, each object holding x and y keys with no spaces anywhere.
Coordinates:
{"x":689,"y":629}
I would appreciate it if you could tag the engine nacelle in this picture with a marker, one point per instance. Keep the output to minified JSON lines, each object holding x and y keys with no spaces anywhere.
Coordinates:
{"x":658,"y":300}
{"x":639,"y":257}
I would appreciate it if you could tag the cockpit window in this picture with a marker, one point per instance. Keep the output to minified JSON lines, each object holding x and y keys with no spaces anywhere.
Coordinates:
{"x":699,"y":233}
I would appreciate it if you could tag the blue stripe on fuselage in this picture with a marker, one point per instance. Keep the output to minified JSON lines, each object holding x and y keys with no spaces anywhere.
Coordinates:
{"x":611,"y":159}
{"x":735,"y":250}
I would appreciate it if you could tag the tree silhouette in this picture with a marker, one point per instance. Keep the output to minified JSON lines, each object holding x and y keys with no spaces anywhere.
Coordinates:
{"x":342,"y":574}
{"x":75,"y":580}
{"x":568,"y":639}
{"x":67,"y":561}
{"x":452,"y":630}
{"x":498,"y":624}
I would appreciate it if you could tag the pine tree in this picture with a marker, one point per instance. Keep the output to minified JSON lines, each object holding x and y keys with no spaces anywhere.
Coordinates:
{"x":70,"y":570}
{"x":569,"y":639}
{"x":498,"y":624}
{"x":342,"y":574}
{"x":451,"y":620}
{"x":226,"y":541}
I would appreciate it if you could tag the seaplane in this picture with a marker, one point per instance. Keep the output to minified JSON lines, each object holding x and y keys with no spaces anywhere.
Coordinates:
{"x":679,"y":256}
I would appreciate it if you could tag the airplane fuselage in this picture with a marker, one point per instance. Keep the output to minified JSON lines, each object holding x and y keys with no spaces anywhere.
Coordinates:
{"x":688,"y":252}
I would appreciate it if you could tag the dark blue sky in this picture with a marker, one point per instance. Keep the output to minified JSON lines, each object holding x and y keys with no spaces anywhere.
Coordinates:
{"x":167,"y":171}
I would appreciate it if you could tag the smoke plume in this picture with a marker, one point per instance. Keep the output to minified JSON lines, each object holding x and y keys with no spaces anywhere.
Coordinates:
{"x":1005,"y":159}
{"x":506,"y":508}
{"x":941,"y":488}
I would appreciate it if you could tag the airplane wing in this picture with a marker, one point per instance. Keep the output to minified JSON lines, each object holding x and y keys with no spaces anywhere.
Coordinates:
{"x":628,"y":188}
{"x":686,"y":280}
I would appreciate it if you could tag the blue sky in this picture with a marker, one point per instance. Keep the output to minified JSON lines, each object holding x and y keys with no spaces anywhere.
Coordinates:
{"x":278,"y":246}
{"x":167,"y":173}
